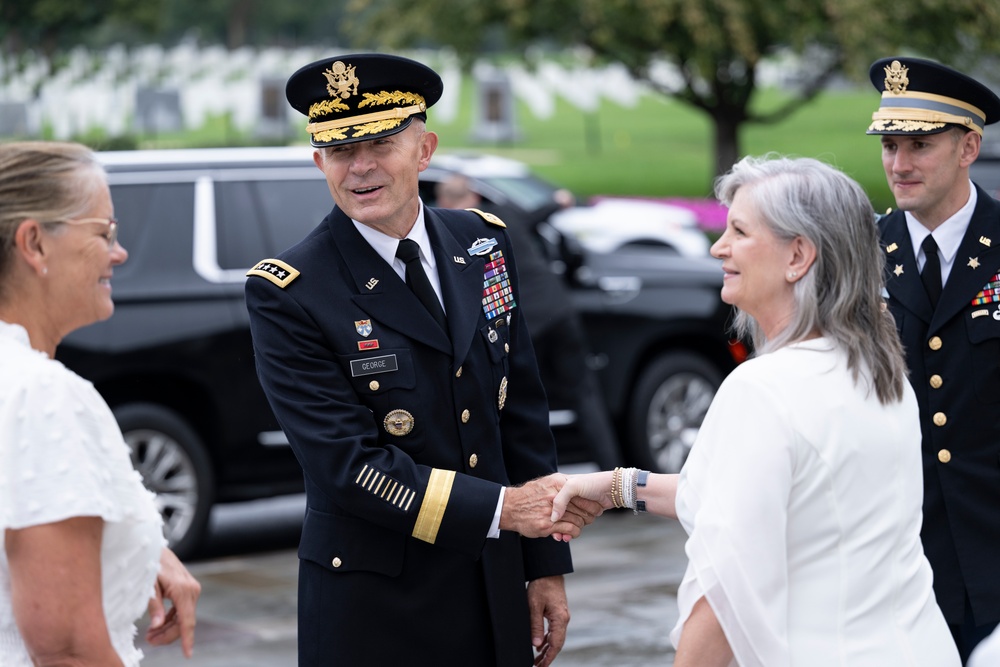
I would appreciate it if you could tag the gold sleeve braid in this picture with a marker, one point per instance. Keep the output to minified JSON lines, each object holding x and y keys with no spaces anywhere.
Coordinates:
{"x":434,"y":504}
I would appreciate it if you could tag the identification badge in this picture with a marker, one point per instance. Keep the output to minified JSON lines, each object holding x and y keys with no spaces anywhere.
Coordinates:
{"x":372,"y":365}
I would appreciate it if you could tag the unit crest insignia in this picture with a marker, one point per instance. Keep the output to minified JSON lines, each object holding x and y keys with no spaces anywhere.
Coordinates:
{"x":896,"y":80}
{"x":340,"y":80}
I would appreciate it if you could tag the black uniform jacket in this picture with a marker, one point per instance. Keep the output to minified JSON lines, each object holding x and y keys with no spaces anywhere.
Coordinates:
{"x":405,"y":434}
{"x":953,"y":355}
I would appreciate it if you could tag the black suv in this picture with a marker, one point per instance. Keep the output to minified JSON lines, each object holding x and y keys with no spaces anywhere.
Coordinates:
{"x":175,"y":362}
{"x":985,"y":171}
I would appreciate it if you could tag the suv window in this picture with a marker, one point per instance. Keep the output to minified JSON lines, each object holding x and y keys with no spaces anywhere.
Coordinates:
{"x":256,"y":219}
{"x":139,"y":205}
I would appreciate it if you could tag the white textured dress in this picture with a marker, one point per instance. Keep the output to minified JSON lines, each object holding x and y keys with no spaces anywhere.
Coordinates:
{"x":802,"y":502}
{"x":62,"y":455}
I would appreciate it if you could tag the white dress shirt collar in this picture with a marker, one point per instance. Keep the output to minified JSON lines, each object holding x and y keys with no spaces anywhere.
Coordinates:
{"x":948,"y":235}
{"x":385,"y":245}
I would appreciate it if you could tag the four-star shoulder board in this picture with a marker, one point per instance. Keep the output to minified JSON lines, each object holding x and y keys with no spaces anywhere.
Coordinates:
{"x":278,"y":272}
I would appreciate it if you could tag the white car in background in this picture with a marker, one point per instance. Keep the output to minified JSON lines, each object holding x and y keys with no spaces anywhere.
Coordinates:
{"x":615,"y":223}
{"x":610,"y":224}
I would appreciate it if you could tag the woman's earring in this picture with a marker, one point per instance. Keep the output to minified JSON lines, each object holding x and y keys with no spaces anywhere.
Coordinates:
{"x":45,"y":270}
{"x":792,"y":275}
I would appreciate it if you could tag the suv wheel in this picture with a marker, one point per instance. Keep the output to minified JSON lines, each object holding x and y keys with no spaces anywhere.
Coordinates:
{"x":669,"y":404}
{"x":173,"y":463}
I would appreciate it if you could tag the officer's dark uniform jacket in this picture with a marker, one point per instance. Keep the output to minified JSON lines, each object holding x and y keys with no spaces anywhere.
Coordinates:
{"x":405,"y":434}
{"x":953,"y":355}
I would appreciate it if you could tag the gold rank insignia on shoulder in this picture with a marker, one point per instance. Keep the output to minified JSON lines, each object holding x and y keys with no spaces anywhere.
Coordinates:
{"x":278,"y":272}
{"x":488,"y":217}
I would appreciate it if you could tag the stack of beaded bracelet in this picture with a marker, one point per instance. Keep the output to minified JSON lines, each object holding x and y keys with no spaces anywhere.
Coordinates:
{"x":623,"y":489}
{"x":616,"y":489}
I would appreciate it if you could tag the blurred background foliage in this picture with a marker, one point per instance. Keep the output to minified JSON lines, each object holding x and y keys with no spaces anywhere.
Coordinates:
{"x":714,"y":107}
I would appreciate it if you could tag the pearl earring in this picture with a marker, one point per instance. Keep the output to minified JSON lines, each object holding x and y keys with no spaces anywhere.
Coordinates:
{"x":45,"y":270}
{"x":792,"y":275}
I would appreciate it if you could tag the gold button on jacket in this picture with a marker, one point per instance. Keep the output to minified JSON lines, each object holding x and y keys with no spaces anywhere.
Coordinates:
{"x":337,"y":562}
{"x":935,"y":343}
{"x":373,"y":385}
{"x":473,"y":460}
{"x":940,"y":419}
{"x":944,"y":456}
{"x":465,"y":416}
{"x":936,"y":381}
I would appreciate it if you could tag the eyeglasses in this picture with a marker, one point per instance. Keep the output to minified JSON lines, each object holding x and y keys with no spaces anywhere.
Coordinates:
{"x":111,"y":236}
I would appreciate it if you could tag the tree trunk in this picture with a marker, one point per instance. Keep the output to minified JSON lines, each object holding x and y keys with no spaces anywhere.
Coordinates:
{"x":236,"y":25}
{"x":727,"y":142}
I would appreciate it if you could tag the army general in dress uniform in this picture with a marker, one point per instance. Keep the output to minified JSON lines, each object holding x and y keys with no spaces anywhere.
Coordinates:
{"x":942,"y":253}
{"x":390,"y":347}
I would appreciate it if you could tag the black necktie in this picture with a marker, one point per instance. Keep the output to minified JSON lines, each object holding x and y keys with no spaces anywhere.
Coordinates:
{"x":931,"y":275}
{"x":409,"y":252}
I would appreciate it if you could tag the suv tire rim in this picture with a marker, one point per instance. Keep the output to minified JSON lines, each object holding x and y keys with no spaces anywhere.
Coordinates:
{"x":676,"y":411}
{"x":169,"y":473}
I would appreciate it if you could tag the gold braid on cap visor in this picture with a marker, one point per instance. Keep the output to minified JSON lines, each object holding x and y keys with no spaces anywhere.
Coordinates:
{"x":911,"y":118}
{"x":327,"y":129}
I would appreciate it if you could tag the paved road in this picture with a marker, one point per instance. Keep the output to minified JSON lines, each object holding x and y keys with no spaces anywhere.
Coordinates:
{"x":622,"y":596}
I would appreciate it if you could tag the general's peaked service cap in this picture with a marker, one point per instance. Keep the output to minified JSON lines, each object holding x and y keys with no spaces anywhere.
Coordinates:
{"x":361,"y":96}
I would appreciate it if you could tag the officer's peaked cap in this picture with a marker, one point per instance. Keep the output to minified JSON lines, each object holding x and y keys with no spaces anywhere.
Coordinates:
{"x":925,"y":97}
{"x":361,"y":96}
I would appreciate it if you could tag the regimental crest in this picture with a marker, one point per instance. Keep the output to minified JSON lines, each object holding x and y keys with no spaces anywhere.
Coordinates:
{"x":363,"y":327}
{"x":896,"y":80}
{"x":341,"y":81}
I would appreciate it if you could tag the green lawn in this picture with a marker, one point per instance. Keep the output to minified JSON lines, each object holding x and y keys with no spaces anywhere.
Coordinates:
{"x":659,"y":148}
{"x":663,"y":148}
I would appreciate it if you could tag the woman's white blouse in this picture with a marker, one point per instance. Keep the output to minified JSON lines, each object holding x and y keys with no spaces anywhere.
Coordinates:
{"x":62,"y":455}
{"x":802,"y":501}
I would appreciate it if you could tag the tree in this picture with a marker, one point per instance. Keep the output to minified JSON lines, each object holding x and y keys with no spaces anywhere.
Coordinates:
{"x":55,"y":25}
{"x":716,"y":46}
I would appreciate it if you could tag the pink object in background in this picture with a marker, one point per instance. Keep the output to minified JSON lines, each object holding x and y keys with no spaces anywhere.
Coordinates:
{"x":711,"y":214}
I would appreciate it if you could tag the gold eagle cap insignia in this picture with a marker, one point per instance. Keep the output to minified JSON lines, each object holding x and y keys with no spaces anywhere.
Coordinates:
{"x":896,"y":79}
{"x":341,"y":80}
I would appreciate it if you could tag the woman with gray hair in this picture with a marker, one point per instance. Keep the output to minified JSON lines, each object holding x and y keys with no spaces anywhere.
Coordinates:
{"x":82,"y":554}
{"x":802,"y":494}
